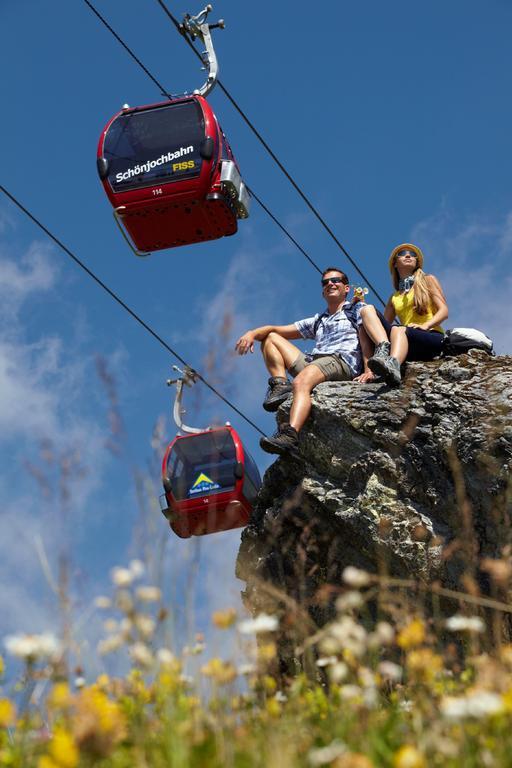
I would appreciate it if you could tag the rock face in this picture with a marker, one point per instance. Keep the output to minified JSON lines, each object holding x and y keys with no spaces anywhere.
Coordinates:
{"x":413,"y":482}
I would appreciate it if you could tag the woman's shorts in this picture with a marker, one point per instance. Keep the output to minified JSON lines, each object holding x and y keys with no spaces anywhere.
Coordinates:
{"x":333,"y":367}
{"x":423,"y":345}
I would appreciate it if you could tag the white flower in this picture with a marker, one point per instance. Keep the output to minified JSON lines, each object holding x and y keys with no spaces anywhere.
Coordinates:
{"x":121,"y":577}
{"x":350,"y":600}
{"x":137,"y":568}
{"x":124,"y":601}
{"x":280,"y":697}
{"x":326,"y":661}
{"x":79,"y":682}
{"x":327,"y":754}
{"x":32,"y":647}
{"x":148,"y":594}
{"x":110,"y":644}
{"x":458,"y":623}
{"x":355,"y":577}
{"x":338,"y":672}
{"x":349,"y":635}
{"x":103,"y":602}
{"x":390,"y":671}
{"x":350,"y":692}
{"x":262,"y":623}
{"x":165,"y":656}
{"x":197,"y":649}
{"x":141,"y":655}
{"x":145,"y":625}
{"x":246,"y":669}
{"x":477,"y":704}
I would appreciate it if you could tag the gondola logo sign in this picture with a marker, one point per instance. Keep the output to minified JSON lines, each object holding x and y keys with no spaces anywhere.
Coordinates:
{"x":139,"y":169}
{"x":203,"y":484}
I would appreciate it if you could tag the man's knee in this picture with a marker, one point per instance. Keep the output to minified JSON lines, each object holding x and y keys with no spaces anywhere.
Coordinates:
{"x":307,"y":379}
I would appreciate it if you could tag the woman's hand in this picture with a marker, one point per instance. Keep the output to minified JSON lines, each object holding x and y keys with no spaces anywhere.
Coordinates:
{"x":366,"y":377}
{"x":422,"y":327}
{"x":245,"y":343}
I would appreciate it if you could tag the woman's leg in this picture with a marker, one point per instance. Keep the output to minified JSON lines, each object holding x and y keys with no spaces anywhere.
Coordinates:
{"x":423,"y":345}
{"x":399,"y":343}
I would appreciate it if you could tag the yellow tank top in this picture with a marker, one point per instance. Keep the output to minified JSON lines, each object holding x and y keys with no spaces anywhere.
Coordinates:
{"x":403,"y":304}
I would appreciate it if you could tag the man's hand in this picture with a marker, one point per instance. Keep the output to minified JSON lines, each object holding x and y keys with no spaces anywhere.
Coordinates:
{"x":366,"y":377}
{"x":245,"y":343}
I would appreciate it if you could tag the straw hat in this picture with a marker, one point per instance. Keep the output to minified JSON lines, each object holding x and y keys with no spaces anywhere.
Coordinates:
{"x":408,"y":247}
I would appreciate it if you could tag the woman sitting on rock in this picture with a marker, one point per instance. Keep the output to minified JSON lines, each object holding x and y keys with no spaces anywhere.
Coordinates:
{"x":419,"y":304}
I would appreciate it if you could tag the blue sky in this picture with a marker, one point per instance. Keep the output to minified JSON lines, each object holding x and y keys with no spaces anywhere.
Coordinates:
{"x":395,"y":119}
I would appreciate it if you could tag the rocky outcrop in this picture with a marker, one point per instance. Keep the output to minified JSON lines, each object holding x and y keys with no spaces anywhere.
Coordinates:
{"x":413,"y":482}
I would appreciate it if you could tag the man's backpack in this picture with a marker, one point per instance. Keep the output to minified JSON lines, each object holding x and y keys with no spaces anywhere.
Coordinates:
{"x":460,"y":340}
{"x":351,"y":313}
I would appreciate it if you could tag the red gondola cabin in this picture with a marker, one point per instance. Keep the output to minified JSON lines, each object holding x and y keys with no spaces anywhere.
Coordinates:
{"x":210,"y":482}
{"x":170,"y":174}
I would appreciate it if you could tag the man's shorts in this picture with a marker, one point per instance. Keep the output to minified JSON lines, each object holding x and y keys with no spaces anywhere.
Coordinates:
{"x":333,"y":367}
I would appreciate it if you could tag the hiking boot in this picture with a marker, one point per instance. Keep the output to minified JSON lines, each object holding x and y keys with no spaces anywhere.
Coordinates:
{"x":278,"y":391}
{"x":284,"y":441}
{"x":387,"y":368}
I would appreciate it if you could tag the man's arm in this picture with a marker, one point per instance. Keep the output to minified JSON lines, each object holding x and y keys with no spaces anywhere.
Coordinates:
{"x":245,"y":343}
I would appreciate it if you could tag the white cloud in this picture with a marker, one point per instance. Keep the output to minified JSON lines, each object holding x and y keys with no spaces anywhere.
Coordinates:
{"x":472,"y":261}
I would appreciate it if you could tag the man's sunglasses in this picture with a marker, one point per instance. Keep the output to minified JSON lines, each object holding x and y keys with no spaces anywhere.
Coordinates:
{"x":327,"y":280}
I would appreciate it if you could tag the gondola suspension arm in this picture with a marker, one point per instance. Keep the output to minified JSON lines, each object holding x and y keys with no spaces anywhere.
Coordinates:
{"x":188,"y":377}
{"x":197,"y":26}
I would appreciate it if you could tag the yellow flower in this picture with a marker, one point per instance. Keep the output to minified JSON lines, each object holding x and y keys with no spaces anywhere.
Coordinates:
{"x":60,"y":696}
{"x":267,"y":651}
{"x":273,"y":707}
{"x":2,"y":666}
{"x":423,"y":664}
{"x":223,"y":672}
{"x":7,"y":713}
{"x":412,"y":634}
{"x":98,"y":723}
{"x":46,"y":762}
{"x":409,"y":757}
{"x":63,"y":749}
{"x":224,"y":619}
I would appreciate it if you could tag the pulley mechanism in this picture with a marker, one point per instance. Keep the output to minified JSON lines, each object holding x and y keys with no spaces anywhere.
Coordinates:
{"x":197,"y":26}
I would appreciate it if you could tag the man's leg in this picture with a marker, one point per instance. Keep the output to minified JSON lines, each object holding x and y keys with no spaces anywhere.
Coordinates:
{"x":303,"y":385}
{"x":279,"y":354}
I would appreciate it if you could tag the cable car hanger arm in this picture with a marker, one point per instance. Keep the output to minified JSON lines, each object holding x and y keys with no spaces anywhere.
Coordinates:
{"x":188,"y":377}
{"x":197,"y":26}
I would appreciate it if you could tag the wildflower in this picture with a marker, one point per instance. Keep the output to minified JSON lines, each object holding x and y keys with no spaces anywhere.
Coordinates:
{"x":137,"y":568}
{"x":459,"y":623}
{"x":355,"y":577}
{"x":273,"y":707}
{"x":7,"y":713}
{"x":141,"y":655}
{"x":261,"y":623}
{"x":79,"y":682}
{"x":32,"y":647}
{"x":338,"y":672}
{"x":60,"y":696}
{"x":103,"y":602}
{"x":349,"y":636}
{"x":478,"y":704}
{"x":224,"y":619}
{"x":121,"y":577}
{"x":98,"y":723}
{"x":324,"y":755}
{"x":350,"y":692}
{"x":246,"y":669}
{"x":423,"y":664}
{"x":110,"y":644}
{"x":63,"y":749}
{"x":281,"y":697}
{"x":326,"y":661}
{"x":390,"y":671}
{"x":148,"y":594}
{"x":223,"y":672}
{"x":2,"y":667}
{"x":412,"y":634}
{"x":124,"y":601}
{"x":145,"y":624}
{"x":165,"y":657}
{"x":409,"y":757}
{"x":349,"y":601}
{"x":267,"y":651}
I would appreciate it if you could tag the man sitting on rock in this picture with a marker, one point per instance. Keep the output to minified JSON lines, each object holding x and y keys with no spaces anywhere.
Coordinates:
{"x":339,"y":339}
